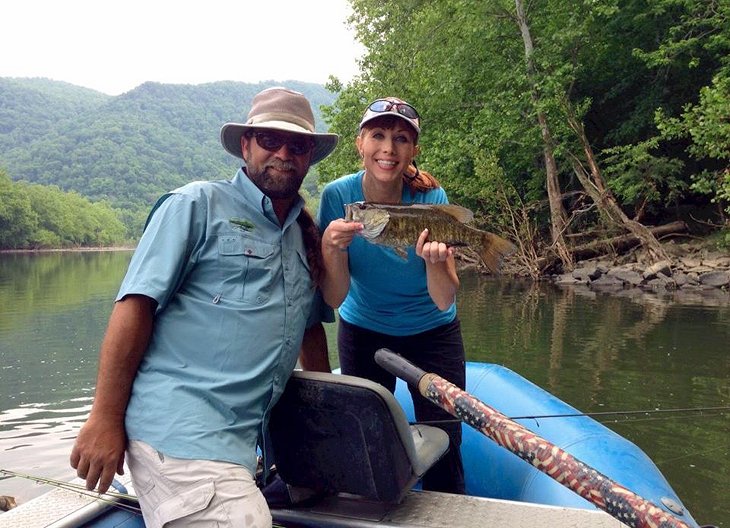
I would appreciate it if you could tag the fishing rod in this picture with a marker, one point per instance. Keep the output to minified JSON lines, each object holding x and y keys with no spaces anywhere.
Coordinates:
{"x":611,"y":497}
{"x":113,"y":498}
{"x":646,"y":412}
{"x":688,"y":412}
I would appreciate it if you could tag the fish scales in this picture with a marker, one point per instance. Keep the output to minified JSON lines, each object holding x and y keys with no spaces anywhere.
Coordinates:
{"x":399,"y":226}
{"x":405,"y":226}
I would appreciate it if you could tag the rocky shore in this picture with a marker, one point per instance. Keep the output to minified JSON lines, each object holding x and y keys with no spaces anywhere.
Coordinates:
{"x":698,"y":272}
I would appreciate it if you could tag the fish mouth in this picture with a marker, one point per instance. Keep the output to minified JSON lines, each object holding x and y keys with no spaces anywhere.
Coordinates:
{"x":350,"y":210}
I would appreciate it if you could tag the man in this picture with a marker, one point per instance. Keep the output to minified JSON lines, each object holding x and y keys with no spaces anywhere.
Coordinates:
{"x":207,"y":326}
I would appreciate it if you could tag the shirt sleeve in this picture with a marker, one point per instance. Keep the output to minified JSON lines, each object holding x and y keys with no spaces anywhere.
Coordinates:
{"x":164,"y":254}
{"x":438,"y":196}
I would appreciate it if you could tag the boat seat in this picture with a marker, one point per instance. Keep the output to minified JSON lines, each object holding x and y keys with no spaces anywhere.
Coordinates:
{"x":333,"y":434}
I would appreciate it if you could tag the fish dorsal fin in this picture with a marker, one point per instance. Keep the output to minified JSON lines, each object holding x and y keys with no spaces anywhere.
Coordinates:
{"x":462,"y":214}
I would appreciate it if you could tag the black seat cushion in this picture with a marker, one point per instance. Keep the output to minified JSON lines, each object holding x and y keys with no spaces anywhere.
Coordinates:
{"x":336,"y":437}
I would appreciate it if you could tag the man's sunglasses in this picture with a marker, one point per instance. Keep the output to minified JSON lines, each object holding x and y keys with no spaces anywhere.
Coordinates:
{"x":273,"y":141}
{"x":404,"y":109}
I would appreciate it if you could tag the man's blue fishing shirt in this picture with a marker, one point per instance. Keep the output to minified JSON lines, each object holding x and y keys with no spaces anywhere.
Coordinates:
{"x":234,"y":292}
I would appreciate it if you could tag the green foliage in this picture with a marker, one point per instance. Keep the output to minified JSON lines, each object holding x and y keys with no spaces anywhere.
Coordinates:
{"x":343,"y":118}
{"x":698,"y":42}
{"x":18,"y":221}
{"x":31,"y":106}
{"x":37,"y":216}
{"x":643,"y":179}
{"x":707,"y":125}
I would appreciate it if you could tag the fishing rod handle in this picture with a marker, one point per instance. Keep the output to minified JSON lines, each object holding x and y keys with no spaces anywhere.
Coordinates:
{"x":399,"y":366}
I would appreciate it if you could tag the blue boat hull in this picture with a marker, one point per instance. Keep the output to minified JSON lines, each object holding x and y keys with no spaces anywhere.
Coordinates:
{"x":493,"y":471}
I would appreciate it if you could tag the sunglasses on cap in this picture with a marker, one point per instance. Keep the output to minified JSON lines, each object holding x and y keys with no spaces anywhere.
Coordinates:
{"x":404,"y":109}
{"x":273,"y":141}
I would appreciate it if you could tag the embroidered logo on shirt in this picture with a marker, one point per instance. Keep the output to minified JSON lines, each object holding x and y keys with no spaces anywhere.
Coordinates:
{"x":242,"y":224}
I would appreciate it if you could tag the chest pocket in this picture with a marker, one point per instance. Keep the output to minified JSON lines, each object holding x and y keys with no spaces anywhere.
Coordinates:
{"x":246,"y":267}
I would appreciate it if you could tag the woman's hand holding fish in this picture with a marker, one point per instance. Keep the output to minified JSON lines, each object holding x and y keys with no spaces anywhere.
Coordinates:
{"x":431,"y":250}
{"x":339,"y":234}
{"x":441,"y":277}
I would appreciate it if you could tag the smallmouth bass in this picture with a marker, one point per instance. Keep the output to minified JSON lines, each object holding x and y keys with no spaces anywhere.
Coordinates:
{"x":399,"y":226}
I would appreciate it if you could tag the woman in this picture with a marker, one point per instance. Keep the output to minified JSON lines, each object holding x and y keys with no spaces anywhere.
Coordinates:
{"x":384,"y":300}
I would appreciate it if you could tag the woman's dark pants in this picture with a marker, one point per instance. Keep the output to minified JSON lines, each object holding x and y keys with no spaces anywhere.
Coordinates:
{"x":440,"y":351}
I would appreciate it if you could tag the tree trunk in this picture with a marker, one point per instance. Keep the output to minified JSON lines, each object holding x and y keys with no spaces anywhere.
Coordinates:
{"x":610,"y":245}
{"x":558,"y":217}
{"x":593,"y":183}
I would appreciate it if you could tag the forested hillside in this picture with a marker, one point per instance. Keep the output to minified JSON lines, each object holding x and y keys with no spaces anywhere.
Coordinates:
{"x":127,"y":149}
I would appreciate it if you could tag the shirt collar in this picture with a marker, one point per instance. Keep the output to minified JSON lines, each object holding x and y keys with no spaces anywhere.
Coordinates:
{"x":253,"y":195}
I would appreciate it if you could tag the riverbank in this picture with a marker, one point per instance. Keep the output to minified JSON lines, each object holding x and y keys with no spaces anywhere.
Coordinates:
{"x":698,"y":272}
{"x":697,"y":264}
{"x":71,"y":249}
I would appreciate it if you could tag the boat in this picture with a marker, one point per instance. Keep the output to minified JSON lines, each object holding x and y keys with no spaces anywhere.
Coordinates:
{"x":349,"y":455}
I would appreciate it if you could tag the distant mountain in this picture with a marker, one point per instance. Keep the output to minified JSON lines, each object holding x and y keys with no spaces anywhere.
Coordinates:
{"x":130,"y":148}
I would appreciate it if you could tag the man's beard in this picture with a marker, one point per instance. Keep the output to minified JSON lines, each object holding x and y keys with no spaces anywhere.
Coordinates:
{"x":282,"y":182}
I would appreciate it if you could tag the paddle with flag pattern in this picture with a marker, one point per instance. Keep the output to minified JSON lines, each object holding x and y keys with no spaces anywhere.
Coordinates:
{"x":557,"y":463}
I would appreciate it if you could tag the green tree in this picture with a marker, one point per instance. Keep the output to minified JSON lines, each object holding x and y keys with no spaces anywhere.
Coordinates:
{"x":700,"y":36}
{"x":69,"y":219}
{"x":18,"y":221}
{"x":685,"y":111}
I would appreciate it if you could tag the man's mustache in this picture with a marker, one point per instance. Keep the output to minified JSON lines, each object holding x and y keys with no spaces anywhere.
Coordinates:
{"x":282,"y":166}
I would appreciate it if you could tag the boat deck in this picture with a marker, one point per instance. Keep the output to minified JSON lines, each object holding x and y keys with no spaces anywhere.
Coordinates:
{"x":424,"y":509}
{"x":427,"y":509}
{"x":64,"y":508}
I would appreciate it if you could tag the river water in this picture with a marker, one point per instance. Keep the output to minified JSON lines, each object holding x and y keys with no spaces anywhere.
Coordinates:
{"x":598,"y":352}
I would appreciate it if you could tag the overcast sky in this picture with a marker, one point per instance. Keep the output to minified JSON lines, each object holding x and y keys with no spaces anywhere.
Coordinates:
{"x":114,"y":46}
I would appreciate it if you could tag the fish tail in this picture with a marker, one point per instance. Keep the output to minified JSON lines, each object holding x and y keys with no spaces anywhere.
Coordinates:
{"x":493,"y":249}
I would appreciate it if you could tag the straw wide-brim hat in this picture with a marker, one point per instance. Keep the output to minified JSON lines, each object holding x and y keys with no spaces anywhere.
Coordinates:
{"x":279,"y":109}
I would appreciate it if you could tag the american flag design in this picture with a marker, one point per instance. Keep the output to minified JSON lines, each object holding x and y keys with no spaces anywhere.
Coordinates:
{"x":590,"y":484}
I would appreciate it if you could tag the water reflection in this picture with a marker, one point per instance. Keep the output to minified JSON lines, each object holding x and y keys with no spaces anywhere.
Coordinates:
{"x":602,"y":352}
{"x":598,"y":352}
{"x":37,"y":440}
{"x":53,"y":310}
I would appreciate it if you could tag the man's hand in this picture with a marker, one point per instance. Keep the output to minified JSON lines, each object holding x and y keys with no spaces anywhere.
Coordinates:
{"x":99,"y":452}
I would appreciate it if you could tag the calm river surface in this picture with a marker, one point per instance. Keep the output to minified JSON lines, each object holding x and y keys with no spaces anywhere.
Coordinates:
{"x":597,"y":352}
